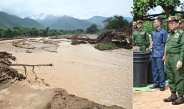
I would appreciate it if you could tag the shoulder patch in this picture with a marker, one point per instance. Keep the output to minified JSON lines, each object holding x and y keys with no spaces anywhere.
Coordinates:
{"x":181,"y":31}
{"x":168,"y":36}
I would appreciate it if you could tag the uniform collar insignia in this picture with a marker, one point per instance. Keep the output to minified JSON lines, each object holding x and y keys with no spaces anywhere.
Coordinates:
{"x":175,"y":31}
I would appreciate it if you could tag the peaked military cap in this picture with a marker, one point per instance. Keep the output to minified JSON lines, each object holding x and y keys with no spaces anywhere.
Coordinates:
{"x":134,"y":23}
{"x":173,"y":18}
{"x":139,"y":21}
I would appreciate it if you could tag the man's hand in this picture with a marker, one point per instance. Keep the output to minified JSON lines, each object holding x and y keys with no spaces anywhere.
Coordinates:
{"x":148,"y":49}
{"x":179,"y":64}
{"x":163,"y":58}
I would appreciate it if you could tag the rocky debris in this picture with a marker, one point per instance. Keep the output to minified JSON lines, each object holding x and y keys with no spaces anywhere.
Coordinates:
{"x":120,"y":39}
{"x":37,"y":44}
{"x":81,"y":39}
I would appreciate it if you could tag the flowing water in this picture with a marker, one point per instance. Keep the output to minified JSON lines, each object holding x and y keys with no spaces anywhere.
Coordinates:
{"x":101,"y":76}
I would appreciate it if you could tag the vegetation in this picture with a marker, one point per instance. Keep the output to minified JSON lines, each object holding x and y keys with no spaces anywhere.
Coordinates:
{"x":148,"y":25}
{"x":26,"y":32}
{"x":92,"y":29}
{"x":182,"y":10}
{"x":141,"y":8}
{"x":116,"y":22}
{"x":12,"y":30}
{"x":116,"y":27}
{"x":106,"y":46}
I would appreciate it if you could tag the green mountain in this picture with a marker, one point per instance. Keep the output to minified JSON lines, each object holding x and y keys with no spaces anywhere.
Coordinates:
{"x":54,"y":22}
{"x":65,"y":22}
{"x":97,"y":20}
{"x":10,"y":21}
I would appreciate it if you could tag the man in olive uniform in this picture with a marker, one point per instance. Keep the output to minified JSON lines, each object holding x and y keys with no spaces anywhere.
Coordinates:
{"x":174,"y":61}
{"x":134,"y":25}
{"x":181,"y":24}
{"x":140,"y":37}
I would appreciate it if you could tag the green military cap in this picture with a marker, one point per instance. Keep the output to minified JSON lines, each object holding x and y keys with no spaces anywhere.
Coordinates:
{"x":134,"y":23}
{"x":173,"y":18}
{"x":139,"y":21}
{"x":181,"y":21}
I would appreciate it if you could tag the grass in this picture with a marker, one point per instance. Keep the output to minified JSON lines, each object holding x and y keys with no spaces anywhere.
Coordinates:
{"x":106,"y":46}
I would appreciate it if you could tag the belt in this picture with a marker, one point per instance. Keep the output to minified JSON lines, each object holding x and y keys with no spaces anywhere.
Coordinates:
{"x":139,"y":44}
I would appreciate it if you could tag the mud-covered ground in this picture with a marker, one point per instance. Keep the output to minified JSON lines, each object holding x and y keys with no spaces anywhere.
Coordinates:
{"x":104,"y":77}
{"x":23,"y":96}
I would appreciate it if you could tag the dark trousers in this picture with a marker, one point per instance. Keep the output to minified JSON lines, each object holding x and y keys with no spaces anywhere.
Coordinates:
{"x":158,"y":71}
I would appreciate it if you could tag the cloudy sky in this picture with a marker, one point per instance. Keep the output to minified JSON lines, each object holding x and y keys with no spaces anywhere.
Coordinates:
{"x":76,"y":8}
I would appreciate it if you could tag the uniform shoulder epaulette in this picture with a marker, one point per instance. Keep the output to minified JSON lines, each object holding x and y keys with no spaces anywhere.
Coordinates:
{"x":145,"y":30}
{"x":180,"y":31}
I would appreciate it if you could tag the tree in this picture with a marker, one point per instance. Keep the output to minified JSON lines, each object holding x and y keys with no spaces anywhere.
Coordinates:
{"x":2,"y":33}
{"x":141,"y":8}
{"x":182,"y":10}
{"x":9,"y":33}
{"x":33,"y":31}
{"x":92,"y":29}
{"x":79,"y":31}
{"x":116,"y":22}
{"x":45,"y":32}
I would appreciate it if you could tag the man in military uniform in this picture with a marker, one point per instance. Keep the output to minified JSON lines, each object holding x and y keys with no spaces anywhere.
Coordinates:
{"x":174,"y":61}
{"x":134,"y":25}
{"x":159,"y":37}
{"x":140,"y":37}
{"x":181,"y":24}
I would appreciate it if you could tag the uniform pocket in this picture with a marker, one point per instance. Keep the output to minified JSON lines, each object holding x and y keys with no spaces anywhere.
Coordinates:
{"x":175,"y":41}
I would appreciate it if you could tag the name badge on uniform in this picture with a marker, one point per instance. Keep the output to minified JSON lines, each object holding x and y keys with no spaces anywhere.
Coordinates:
{"x":167,"y":38}
{"x":142,"y":32}
{"x":177,"y":35}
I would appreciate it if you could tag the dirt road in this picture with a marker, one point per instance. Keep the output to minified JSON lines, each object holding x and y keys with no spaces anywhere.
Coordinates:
{"x":153,"y":100}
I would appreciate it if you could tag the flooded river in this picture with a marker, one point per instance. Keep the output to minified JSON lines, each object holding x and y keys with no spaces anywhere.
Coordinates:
{"x":101,"y":76}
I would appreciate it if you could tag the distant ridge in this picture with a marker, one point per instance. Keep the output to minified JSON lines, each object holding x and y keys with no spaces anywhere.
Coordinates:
{"x":9,"y":21}
{"x":54,"y":22}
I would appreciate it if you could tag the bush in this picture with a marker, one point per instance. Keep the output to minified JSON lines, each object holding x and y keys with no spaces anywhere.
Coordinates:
{"x":106,"y":46}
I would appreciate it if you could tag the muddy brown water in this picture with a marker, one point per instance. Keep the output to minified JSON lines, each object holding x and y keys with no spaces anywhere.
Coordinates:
{"x":104,"y":77}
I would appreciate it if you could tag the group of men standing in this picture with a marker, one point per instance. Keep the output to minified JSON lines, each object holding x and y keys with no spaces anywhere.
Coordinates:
{"x":167,"y":55}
